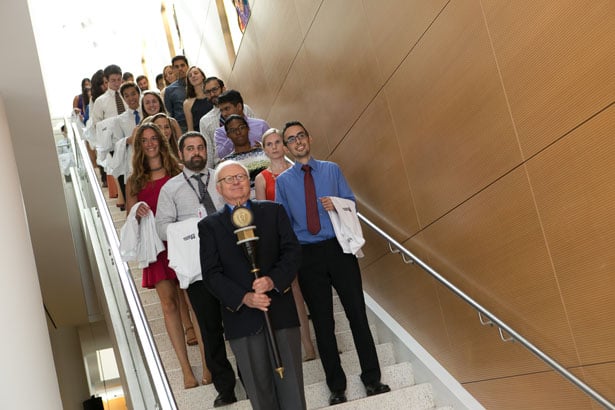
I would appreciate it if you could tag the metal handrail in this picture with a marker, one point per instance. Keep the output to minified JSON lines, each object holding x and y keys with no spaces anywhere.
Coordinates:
{"x":513,"y":335}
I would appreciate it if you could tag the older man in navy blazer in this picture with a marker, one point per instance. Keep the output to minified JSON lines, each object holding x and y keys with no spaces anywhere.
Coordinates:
{"x":227,"y":272}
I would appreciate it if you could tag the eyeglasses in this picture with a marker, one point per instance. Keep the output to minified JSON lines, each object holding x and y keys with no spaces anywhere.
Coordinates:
{"x":236,"y":130}
{"x":296,"y":138}
{"x":232,"y":178}
{"x":212,"y":90}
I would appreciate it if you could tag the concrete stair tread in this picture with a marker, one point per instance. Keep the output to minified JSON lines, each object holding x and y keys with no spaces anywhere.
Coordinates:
{"x":169,"y":359}
{"x":397,"y":376}
{"x":202,"y":397}
{"x":417,"y":397}
{"x":312,"y":370}
{"x":317,"y":394}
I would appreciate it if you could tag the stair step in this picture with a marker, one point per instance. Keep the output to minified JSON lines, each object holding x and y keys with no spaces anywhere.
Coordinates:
{"x":153,"y":311}
{"x":312,"y":370}
{"x":418,"y":397}
{"x":341,"y":322}
{"x":345,"y":343}
{"x":314,"y":373}
{"x":148,"y":296}
{"x":176,"y":379}
{"x":397,"y":376}
{"x":202,"y":397}
{"x":170,"y":362}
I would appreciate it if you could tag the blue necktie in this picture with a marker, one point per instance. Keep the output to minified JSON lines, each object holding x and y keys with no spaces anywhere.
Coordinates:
{"x":137,"y":117}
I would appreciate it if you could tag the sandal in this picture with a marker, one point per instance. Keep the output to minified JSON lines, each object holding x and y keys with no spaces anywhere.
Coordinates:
{"x":191,"y":339}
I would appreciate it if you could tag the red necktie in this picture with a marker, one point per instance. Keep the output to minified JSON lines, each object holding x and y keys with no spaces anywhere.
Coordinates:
{"x":311,"y":207}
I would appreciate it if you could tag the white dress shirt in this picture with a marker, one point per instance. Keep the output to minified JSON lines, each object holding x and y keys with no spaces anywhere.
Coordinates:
{"x":104,"y":107}
{"x":179,"y":201}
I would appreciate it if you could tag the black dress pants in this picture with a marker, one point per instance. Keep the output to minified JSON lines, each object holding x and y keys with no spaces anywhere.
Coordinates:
{"x":324,"y":265}
{"x":207,"y":310}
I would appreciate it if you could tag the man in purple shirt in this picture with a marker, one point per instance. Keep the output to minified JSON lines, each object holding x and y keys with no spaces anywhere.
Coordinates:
{"x":230,"y":102}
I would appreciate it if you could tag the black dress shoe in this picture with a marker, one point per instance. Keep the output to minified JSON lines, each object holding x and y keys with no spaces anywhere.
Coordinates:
{"x":337,"y":397}
{"x":376,"y":388}
{"x":224,"y":399}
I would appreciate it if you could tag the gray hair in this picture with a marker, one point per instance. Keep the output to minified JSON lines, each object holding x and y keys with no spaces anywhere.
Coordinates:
{"x":228,"y":163}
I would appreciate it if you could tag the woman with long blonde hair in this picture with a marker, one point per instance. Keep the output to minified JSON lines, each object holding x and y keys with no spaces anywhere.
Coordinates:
{"x":152,"y":104}
{"x":168,"y":128}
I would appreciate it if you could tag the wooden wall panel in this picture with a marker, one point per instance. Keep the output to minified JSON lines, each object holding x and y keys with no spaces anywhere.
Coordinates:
{"x":299,"y":99}
{"x":344,"y":66}
{"x":278,"y":37}
{"x":384,"y":191}
{"x":540,"y":391}
{"x":306,"y":10}
{"x":602,"y":378}
{"x":203,"y":38}
{"x":492,"y":247}
{"x":575,"y":195}
{"x":476,"y":352}
{"x":395,"y":27}
{"x":409,"y":295}
{"x":556,"y":61}
{"x":450,"y":113}
{"x":248,"y":76}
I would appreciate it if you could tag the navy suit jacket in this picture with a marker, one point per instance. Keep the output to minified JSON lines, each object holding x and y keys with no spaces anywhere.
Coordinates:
{"x":227,"y":270}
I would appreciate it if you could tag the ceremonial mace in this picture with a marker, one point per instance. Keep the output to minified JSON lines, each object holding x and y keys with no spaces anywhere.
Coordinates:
{"x":242,"y":219}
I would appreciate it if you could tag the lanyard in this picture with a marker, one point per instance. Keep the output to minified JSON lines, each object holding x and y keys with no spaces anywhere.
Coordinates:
{"x":195,"y":191}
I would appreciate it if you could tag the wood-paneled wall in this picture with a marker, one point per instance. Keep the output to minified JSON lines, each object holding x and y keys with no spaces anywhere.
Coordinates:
{"x":479,"y":133}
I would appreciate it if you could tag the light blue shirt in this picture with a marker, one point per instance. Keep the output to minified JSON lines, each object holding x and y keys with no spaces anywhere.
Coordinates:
{"x":290,"y":192}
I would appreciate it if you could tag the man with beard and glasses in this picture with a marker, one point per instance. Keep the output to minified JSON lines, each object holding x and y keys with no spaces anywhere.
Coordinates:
{"x":183,"y":201}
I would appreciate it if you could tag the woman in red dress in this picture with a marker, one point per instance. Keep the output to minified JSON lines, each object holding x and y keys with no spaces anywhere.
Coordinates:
{"x":152,"y":166}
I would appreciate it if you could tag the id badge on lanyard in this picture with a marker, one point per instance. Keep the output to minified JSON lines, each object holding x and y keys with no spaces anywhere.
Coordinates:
{"x":201,"y":212}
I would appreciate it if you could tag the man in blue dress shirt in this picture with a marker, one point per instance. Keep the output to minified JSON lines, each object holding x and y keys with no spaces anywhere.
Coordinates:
{"x":324,"y":264}
{"x":175,"y":93}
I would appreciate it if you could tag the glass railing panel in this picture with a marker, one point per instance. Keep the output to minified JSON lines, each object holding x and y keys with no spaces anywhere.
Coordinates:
{"x":140,"y":365}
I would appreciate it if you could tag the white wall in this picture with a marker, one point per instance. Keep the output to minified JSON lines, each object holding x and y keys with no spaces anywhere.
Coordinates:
{"x":27,"y":374}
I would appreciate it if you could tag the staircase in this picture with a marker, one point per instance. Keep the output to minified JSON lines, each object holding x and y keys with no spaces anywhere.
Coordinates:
{"x":398,"y":374}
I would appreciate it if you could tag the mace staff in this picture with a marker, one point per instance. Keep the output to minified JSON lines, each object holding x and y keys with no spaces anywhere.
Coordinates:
{"x":242,"y":219}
